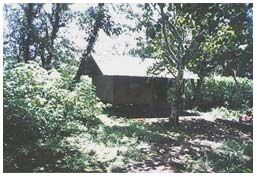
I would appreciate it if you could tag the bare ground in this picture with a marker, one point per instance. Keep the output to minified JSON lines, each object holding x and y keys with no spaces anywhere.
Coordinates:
{"x":169,"y":148}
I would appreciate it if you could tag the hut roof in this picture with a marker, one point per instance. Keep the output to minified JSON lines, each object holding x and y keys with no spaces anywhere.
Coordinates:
{"x":114,"y":65}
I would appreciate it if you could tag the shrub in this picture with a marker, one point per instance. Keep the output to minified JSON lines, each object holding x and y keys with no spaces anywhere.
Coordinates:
{"x":67,"y":73}
{"x":229,"y":157}
{"x":36,"y":107}
{"x":224,"y":113}
{"x":220,"y":91}
{"x":50,"y":128}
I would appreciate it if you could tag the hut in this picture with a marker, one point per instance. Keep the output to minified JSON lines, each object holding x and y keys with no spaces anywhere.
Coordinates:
{"x":126,"y":80}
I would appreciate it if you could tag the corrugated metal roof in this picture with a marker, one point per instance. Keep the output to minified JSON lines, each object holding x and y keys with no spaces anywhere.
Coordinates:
{"x":114,"y":65}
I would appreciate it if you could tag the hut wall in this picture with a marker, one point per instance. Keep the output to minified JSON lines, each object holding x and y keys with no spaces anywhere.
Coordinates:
{"x":131,"y":90}
{"x":104,"y":87}
{"x":160,"y":88}
{"x":125,"y":90}
{"x":160,"y":92}
{"x":139,"y":90}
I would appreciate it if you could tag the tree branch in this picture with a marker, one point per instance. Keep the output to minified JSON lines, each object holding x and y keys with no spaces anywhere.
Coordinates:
{"x":166,"y":37}
{"x":174,"y":31}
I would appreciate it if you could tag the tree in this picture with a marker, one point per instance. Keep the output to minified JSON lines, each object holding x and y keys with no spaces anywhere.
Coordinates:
{"x":168,"y":39}
{"x":176,"y":55}
{"x":33,"y":31}
{"x":239,"y":55}
{"x":211,"y":34}
{"x":29,"y":15}
{"x":224,"y":29}
{"x":50,"y":26}
{"x":98,"y":19}
{"x":23,"y":34}
{"x":198,"y":35}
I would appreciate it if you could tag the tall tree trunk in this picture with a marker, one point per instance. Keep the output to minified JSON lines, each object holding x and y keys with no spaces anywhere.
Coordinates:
{"x":42,"y":56}
{"x":29,"y":19}
{"x":198,"y":92}
{"x":175,"y":58}
{"x":91,"y":42}
{"x":236,"y":86}
{"x":192,"y":98}
{"x":178,"y":100}
{"x":81,"y":68}
{"x":55,"y":22}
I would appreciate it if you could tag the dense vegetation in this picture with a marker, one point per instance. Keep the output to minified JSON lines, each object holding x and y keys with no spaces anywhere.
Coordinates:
{"x":205,"y":38}
{"x":43,"y":118}
{"x":220,"y":91}
{"x":50,"y":110}
{"x":39,"y":110}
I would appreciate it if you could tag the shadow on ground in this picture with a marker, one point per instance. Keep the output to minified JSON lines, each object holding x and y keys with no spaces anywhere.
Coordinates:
{"x":141,"y":111}
{"x":136,"y":111}
{"x":34,"y":159}
{"x":169,"y":148}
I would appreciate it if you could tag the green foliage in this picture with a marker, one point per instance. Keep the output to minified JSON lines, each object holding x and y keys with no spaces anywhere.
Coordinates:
{"x":37,"y":108}
{"x":230,"y":157}
{"x":95,"y":14}
{"x":34,"y":33}
{"x":33,"y":94}
{"x":67,"y":72}
{"x":222,"y":91}
{"x":225,"y":113}
{"x":43,"y":118}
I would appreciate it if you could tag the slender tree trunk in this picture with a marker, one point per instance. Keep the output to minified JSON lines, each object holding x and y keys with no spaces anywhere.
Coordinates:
{"x":177,"y":59}
{"x":192,"y":98}
{"x":29,"y":19}
{"x":198,"y":92}
{"x":236,"y":86}
{"x":55,"y":28}
{"x":49,"y":57}
{"x":42,"y":56}
{"x":81,"y":68}
{"x":91,"y":42}
{"x":177,"y":101}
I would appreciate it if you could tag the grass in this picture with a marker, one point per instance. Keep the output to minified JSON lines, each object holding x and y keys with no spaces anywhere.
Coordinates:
{"x":125,"y":145}
{"x":195,"y":146}
{"x":230,"y":157}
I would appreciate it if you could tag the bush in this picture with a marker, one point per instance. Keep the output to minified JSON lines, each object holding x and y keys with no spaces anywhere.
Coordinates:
{"x":50,"y":128}
{"x":220,"y":91}
{"x":37,"y":108}
{"x":230,"y":157}
{"x":224,"y":113}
